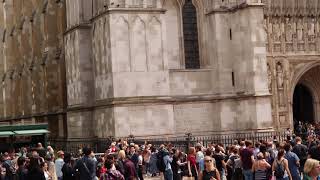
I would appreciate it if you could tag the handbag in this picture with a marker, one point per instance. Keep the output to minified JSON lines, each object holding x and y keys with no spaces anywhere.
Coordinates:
{"x":188,"y":178}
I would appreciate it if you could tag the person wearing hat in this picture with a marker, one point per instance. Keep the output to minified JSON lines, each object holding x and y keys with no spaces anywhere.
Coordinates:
{"x":59,"y":164}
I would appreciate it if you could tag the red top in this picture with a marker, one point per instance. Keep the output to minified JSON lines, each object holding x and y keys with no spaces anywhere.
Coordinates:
{"x":192,"y":159}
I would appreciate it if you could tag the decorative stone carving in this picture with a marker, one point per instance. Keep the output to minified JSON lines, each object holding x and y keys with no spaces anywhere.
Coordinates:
{"x":269,"y":77}
{"x":279,"y":69}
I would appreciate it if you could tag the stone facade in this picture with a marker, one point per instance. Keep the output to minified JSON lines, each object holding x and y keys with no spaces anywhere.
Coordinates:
{"x":93,"y":69}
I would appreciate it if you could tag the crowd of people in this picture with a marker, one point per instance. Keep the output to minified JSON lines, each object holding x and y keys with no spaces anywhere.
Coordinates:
{"x":293,"y":159}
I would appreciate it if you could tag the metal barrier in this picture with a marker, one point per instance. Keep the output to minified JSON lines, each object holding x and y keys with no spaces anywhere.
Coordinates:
{"x":181,"y":142}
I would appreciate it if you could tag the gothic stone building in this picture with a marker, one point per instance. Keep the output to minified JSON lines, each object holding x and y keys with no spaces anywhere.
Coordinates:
{"x":92,"y":69}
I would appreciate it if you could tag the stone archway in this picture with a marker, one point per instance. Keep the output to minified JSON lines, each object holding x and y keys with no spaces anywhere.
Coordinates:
{"x":306,"y":91}
{"x":303,"y":106}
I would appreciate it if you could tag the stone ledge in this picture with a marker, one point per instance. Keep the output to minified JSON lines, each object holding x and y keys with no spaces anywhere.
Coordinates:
{"x":115,"y":102}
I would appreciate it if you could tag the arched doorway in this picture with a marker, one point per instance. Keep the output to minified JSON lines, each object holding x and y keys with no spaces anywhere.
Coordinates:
{"x":305,"y":95}
{"x":303,"y":110}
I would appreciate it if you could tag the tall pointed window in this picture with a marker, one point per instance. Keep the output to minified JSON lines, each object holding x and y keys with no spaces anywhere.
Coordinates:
{"x":190,"y":36}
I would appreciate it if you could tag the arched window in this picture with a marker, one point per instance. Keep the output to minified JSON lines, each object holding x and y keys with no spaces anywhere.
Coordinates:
{"x":190,"y":36}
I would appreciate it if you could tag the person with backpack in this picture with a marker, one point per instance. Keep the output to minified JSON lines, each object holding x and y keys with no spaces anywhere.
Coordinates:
{"x":86,"y":165}
{"x":234,"y":155}
{"x":210,"y":172}
{"x":111,"y":174}
{"x":10,"y":168}
{"x":280,"y":167}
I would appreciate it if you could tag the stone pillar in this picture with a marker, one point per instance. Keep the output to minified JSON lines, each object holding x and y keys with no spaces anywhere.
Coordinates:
{"x":78,"y":67}
{"x":242,"y":72}
{"x":37,"y":49}
{"x":26,"y":51}
{"x":8,"y":55}
{"x":2,"y":59}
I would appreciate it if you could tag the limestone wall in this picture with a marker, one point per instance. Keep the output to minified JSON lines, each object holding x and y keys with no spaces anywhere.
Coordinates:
{"x":32,"y":64}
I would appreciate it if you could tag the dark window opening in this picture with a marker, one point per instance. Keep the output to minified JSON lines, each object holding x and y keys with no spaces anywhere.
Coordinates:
{"x":232,"y":75}
{"x":303,"y":110}
{"x":230,"y":33}
{"x":190,"y":35}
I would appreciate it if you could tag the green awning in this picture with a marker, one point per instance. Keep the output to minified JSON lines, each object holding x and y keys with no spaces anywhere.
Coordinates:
{"x":6,"y":133}
{"x":31,"y":132}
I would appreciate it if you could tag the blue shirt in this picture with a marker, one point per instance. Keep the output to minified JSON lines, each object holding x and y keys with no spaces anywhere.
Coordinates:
{"x":167,"y":161}
{"x":292,"y":163}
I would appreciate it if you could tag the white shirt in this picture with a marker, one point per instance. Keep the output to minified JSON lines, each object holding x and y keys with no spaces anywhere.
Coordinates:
{"x":59,"y":163}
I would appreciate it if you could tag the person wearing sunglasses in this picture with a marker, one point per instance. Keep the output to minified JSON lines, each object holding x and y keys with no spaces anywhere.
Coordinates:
{"x":311,"y":170}
{"x":210,"y":172}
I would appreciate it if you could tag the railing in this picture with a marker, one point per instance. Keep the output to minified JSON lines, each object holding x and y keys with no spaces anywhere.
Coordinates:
{"x":179,"y":142}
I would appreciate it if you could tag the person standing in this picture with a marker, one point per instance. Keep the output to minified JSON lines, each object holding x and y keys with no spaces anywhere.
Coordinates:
{"x":67,"y":169}
{"x":293,"y":162}
{"x":168,"y":174}
{"x":210,"y":172}
{"x":58,"y":164}
{"x":192,"y":164}
{"x":301,"y":151}
{"x":311,"y":170}
{"x":246,"y":155}
{"x":280,"y":167}
{"x":86,"y":165}
{"x":22,"y":172}
{"x":260,"y":167}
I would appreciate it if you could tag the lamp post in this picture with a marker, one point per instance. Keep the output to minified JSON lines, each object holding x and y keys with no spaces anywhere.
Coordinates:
{"x":131,"y":138}
{"x":188,"y":140}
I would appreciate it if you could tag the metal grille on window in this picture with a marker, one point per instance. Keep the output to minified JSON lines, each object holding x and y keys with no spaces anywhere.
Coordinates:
{"x":190,"y":34}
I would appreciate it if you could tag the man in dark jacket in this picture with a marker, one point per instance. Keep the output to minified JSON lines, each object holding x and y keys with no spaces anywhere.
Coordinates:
{"x":86,"y":166}
{"x":22,"y":171}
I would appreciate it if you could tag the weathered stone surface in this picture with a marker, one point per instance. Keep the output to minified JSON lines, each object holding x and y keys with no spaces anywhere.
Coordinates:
{"x":120,"y":67}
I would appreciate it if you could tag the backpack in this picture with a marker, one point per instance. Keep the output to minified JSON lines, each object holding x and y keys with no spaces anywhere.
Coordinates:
{"x":279,"y":171}
{"x":160,"y":162}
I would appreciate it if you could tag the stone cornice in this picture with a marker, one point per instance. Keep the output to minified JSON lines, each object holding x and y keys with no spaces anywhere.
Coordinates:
{"x":129,"y":11}
{"x":19,"y":117}
{"x":115,"y":102}
{"x":232,"y":8}
{"x":82,"y":25}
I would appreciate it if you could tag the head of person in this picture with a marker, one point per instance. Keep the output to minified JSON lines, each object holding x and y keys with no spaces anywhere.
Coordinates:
{"x":257,"y":145}
{"x":248,"y":143}
{"x":298,"y":140}
{"x":198,"y":148}
{"x":260,"y":156}
{"x":122,"y":154}
{"x":86,"y":151}
{"x":60,"y":154}
{"x":287,"y":147}
{"x":44,"y":166}
{"x":217,"y":149}
{"x":209,"y":162}
{"x":39,"y":145}
{"x":21,"y":161}
{"x":192,"y":151}
{"x":132,"y":149}
{"x":34,"y":163}
{"x":312,"y":168}
{"x":67,"y":158}
{"x":263,"y":148}
{"x":280,"y":154}
{"x":108,"y":163}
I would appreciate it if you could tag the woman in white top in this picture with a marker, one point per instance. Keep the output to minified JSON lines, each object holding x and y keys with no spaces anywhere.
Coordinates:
{"x":47,"y":174}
